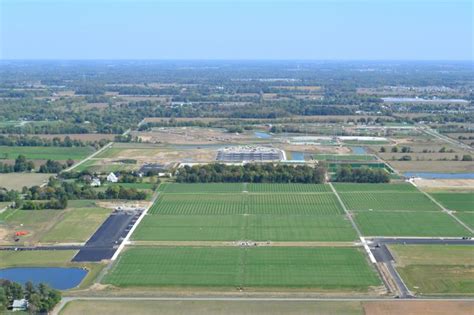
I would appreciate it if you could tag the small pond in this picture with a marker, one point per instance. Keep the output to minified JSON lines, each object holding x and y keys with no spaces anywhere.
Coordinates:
{"x":262,"y":135}
{"x":297,"y":156}
{"x":429,"y":175}
{"x":358,"y":150}
{"x":58,"y":278}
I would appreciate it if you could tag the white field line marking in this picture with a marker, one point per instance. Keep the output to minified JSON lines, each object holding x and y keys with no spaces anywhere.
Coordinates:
{"x":443,"y":208}
{"x":354,"y":225}
{"x":129,"y":234}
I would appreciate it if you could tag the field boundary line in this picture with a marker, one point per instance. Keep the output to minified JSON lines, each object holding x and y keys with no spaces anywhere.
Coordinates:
{"x":129,"y":234}
{"x":443,"y":209}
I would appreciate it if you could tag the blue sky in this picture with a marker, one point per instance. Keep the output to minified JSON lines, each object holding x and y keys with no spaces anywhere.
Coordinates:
{"x":232,"y":29}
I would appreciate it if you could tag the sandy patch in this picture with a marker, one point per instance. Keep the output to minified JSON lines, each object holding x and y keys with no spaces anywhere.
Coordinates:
{"x":419,"y":307}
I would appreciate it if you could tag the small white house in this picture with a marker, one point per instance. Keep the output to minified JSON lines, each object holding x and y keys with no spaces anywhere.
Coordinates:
{"x":20,"y":305}
{"x":112,"y":178}
{"x":95,"y":182}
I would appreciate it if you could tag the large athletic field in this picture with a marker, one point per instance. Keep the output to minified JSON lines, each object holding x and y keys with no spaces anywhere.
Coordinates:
{"x":396,"y":210}
{"x":326,"y":268}
{"x":232,"y":212}
{"x":191,"y":233}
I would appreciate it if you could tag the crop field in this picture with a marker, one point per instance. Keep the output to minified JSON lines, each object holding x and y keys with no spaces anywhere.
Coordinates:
{"x":324,"y":267}
{"x":436,"y":269}
{"x":245,"y":227}
{"x":281,"y":204}
{"x":409,"y":223}
{"x":456,"y":201}
{"x":46,"y":153}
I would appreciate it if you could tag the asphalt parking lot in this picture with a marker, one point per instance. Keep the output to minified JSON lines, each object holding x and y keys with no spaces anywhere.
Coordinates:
{"x":105,"y":241}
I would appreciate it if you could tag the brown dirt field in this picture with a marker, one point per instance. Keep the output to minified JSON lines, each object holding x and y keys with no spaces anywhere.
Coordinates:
{"x":439,"y":184}
{"x":121,"y":203}
{"x":316,"y":149}
{"x":193,"y":136}
{"x":433,"y":166}
{"x":83,"y":136}
{"x":165,"y":155}
{"x":419,"y":307}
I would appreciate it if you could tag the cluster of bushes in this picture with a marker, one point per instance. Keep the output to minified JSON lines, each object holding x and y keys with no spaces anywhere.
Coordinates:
{"x":361,"y":175}
{"x":251,"y":173}
{"x":41,"y":298}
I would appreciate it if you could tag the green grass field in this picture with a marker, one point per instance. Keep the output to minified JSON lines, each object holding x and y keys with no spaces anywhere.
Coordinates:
{"x":388,"y":201}
{"x":287,"y":188}
{"x":353,"y":187}
{"x":467,"y":218}
{"x":456,"y":201}
{"x":76,"y":225}
{"x":36,"y":258}
{"x":281,"y":204}
{"x":46,"y":153}
{"x":436,"y":269}
{"x":325,"y":267}
{"x":170,"y":188}
{"x":245,"y":227}
{"x":373,"y":223}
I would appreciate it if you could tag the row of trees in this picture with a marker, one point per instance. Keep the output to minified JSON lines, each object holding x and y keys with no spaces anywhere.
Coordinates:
{"x":251,"y":173}
{"x":23,"y":165}
{"x":361,"y":175}
{"x":35,"y":141}
{"x":41,"y":298}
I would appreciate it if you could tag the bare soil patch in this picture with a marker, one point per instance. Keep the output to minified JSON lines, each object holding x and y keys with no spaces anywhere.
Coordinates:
{"x":418,"y":307}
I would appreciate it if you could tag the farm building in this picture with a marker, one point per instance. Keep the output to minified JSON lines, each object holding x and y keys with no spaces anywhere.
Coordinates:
{"x":20,"y":305}
{"x":112,"y":178}
{"x":95,"y":182}
{"x":249,"y":153}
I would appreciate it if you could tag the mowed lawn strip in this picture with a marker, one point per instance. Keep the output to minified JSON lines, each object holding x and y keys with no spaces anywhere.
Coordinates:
{"x":201,"y":188}
{"x":46,"y":153}
{"x":436,"y":269}
{"x":456,"y":201}
{"x":287,"y":188}
{"x":321,"y":267}
{"x":435,"y":224}
{"x":245,"y":227}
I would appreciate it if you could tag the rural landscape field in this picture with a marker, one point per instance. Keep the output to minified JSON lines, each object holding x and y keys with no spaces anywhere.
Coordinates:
{"x":236,"y":157}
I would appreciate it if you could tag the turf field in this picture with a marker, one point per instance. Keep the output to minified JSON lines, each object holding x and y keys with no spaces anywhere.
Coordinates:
{"x":456,"y":201}
{"x":343,"y":157}
{"x":324,"y":267}
{"x":231,"y":212}
{"x":377,"y":223}
{"x":467,"y":218}
{"x":220,"y":204}
{"x":46,"y":153}
{"x":352,"y":187}
{"x":245,"y":227}
{"x":436,"y":269}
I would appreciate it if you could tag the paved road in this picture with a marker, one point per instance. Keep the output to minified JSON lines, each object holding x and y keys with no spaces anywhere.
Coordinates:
{"x":105,"y":147}
{"x":105,"y":241}
{"x":419,"y":241}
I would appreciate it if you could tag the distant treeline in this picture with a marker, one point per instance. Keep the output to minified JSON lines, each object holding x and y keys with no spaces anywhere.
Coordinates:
{"x":361,"y":175}
{"x":251,"y":173}
{"x":35,"y":141}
